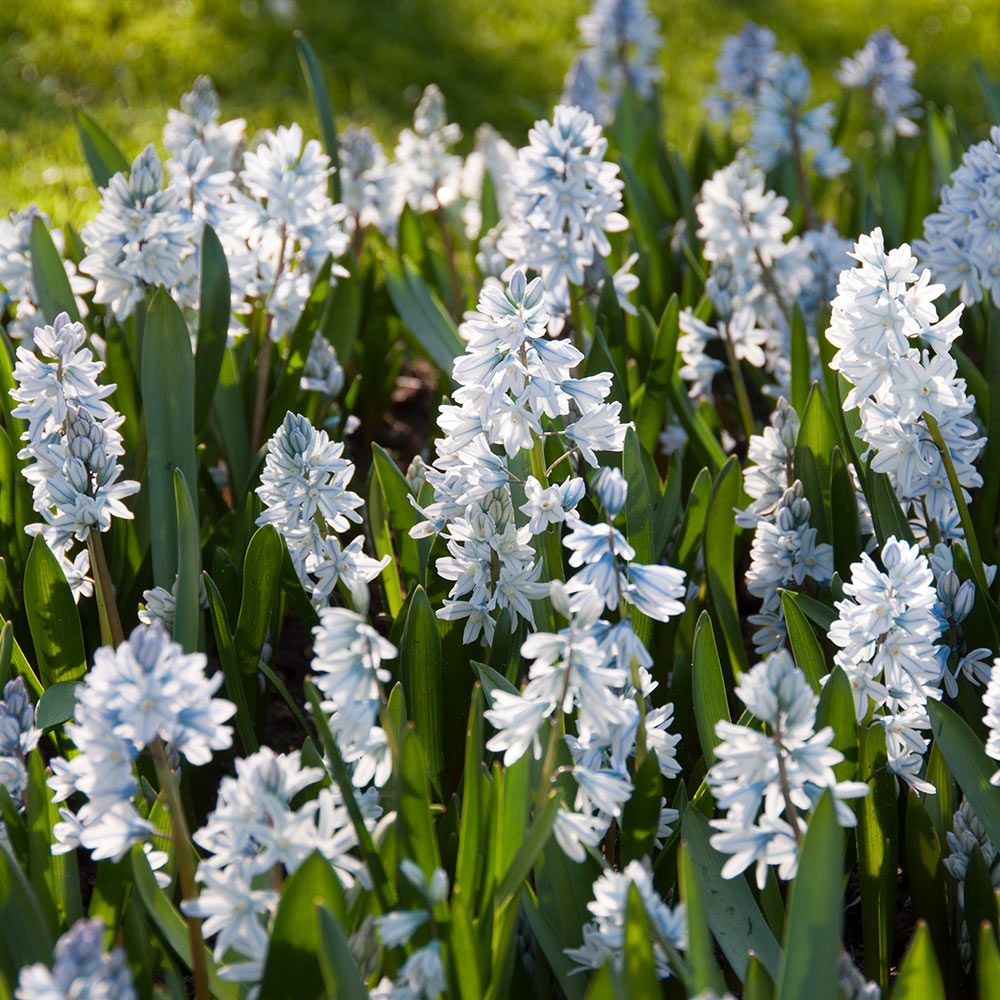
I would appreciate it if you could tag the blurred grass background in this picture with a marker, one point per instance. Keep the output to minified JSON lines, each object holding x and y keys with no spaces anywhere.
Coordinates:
{"x":498,"y":61}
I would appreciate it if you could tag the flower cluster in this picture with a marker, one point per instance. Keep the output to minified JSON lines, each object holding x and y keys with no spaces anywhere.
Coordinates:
{"x":746,"y":62}
{"x":991,"y":699}
{"x":369,"y":183}
{"x":72,"y":443}
{"x":144,"y":691}
{"x":886,"y":632}
{"x":566,"y":199}
{"x":255,"y":830}
{"x":883,"y":310}
{"x":304,"y":491}
{"x":347,"y":663}
{"x":512,"y":381}
{"x":621,"y":42}
{"x":961,"y":241}
{"x":81,"y":969}
{"x":18,"y":737}
{"x":604,"y":936}
{"x":429,"y":172}
{"x":17,"y":279}
{"x":768,"y":781}
{"x":884,"y":69}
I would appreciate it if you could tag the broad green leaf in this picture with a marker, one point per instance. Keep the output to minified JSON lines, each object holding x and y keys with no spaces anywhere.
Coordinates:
{"x":187,"y":615}
{"x":711,"y":704}
{"x":320,"y":97}
{"x":423,"y":315}
{"x":988,"y":963}
{"x":649,"y":413}
{"x":412,"y":553}
{"x":24,"y":933}
{"x":99,"y":150}
{"x":341,"y":974}
{"x":693,"y":524}
{"x":878,"y":821}
{"x":836,"y":709}
{"x":733,"y":914}
{"x":887,"y":515}
{"x":719,"y":549}
{"x":20,"y":665}
{"x":415,"y":826}
{"x":815,"y":914}
{"x":213,"y":323}
{"x":261,"y":575}
{"x":919,"y":975}
{"x":422,"y":666}
{"x":466,"y":952}
{"x":530,"y":847}
{"x":382,"y":542}
{"x":818,"y":432}
{"x":979,"y":898}
{"x":552,"y":948}
{"x":641,"y":815}
{"x":702,"y":441}
{"x":471,"y":837}
{"x":168,"y":401}
{"x":963,"y":752}
{"x":701,"y":948}
{"x":52,"y":617}
{"x":924,"y":869}
{"x":52,"y":288}
{"x":640,"y":968}
{"x":296,"y":942}
{"x":801,"y":366}
{"x":233,"y":679}
{"x":56,"y":705}
{"x":816,"y":611}
{"x":806,"y":649}
{"x":229,"y":414}
{"x":846,"y":537}
{"x":54,"y":876}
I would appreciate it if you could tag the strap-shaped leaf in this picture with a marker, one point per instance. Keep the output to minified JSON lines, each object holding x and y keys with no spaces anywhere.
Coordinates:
{"x":52,"y":288}
{"x":103,"y":156}
{"x":213,"y":322}
{"x":711,"y":704}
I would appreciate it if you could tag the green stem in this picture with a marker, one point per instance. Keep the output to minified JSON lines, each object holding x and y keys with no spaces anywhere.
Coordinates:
{"x":111,"y":626}
{"x":739,"y":384}
{"x":185,"y":867}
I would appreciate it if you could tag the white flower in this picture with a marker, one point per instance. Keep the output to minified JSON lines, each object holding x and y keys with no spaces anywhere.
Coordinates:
{"x":429,"y":173}
{"x":746,"y":62}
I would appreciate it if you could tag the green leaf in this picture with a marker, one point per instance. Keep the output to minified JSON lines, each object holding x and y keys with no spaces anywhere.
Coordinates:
{"x":652,"y":405}
{"x":818,"y":432}
{"x":919,"y":976}
{"x":719,"y":547}
{"x":415,"y":825}
{"x":530,"y":848}
{"x":702,"y":440}
{"x":887,"y":515}
{"x":733,"y":913}
{"x":465,"y":952}
{"x":846,"y":537}
{"x":52,"y":288}
{"x":52,"y":617}
{"x":167,"y":378}
{"x":294,"y":952}
{"x":56,"y":705}
{"x":320,"y":96}
{"x":836,"y":709}
{"x":710,"y":702}
{"x":340,"y":969}
{"x":701,"y":948}
{"x":187,"y":615}
{"x":54,"y":875}
{"x":423,"y":315}
{"x":640,"y":968}
{"x":815,"y":915}
{"x":808,"y":653}
{"x":471,"y":836}
{"x":801,"y":366}
{"x":878,"y":821}
{"x":213,"y":323}
{"x":816,"y":611}
{"x":412,"y":553}
{"x":924,"y":868}
{"x":693,"y":524}
{"x":24,"y":934}
{"x":103,"y":157}
{"x":423,"y":678}
{"x":988,"y":963}
{"x":968,"y":763}
{"x":261,"y":576}
{"x":235,"y":687}
{"x":641,"y":815}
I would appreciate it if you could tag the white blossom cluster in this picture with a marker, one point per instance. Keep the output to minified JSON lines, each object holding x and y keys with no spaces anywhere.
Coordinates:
{"x":369,"y":183}
{"x":17,"y":279}
{"x":513,"y":383}
{"x":768,"y":781}
{"x":621,"y":42}
{"x":429,"y":172}
{"x":18,"y":737}
{"x":147,"y":689}
{"x":255,"y":831}
{"x":422,"y":974}
{"x":71,"y":442}
{"x":746,"y":62}
{"x":566,"y":199}
{"x":991,"y":699}
{"x":82,"y":969}
{"x":887,"y":633}
{"x":604,"y":936}
{"x":961,"y":241}
{"x":304,"y":489}
{"x":347,"y":664}
{"x":882,"y":316}
{"x":884,"y":69}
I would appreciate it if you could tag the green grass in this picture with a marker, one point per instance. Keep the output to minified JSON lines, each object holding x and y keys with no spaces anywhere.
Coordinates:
{"x":127,"y":61}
